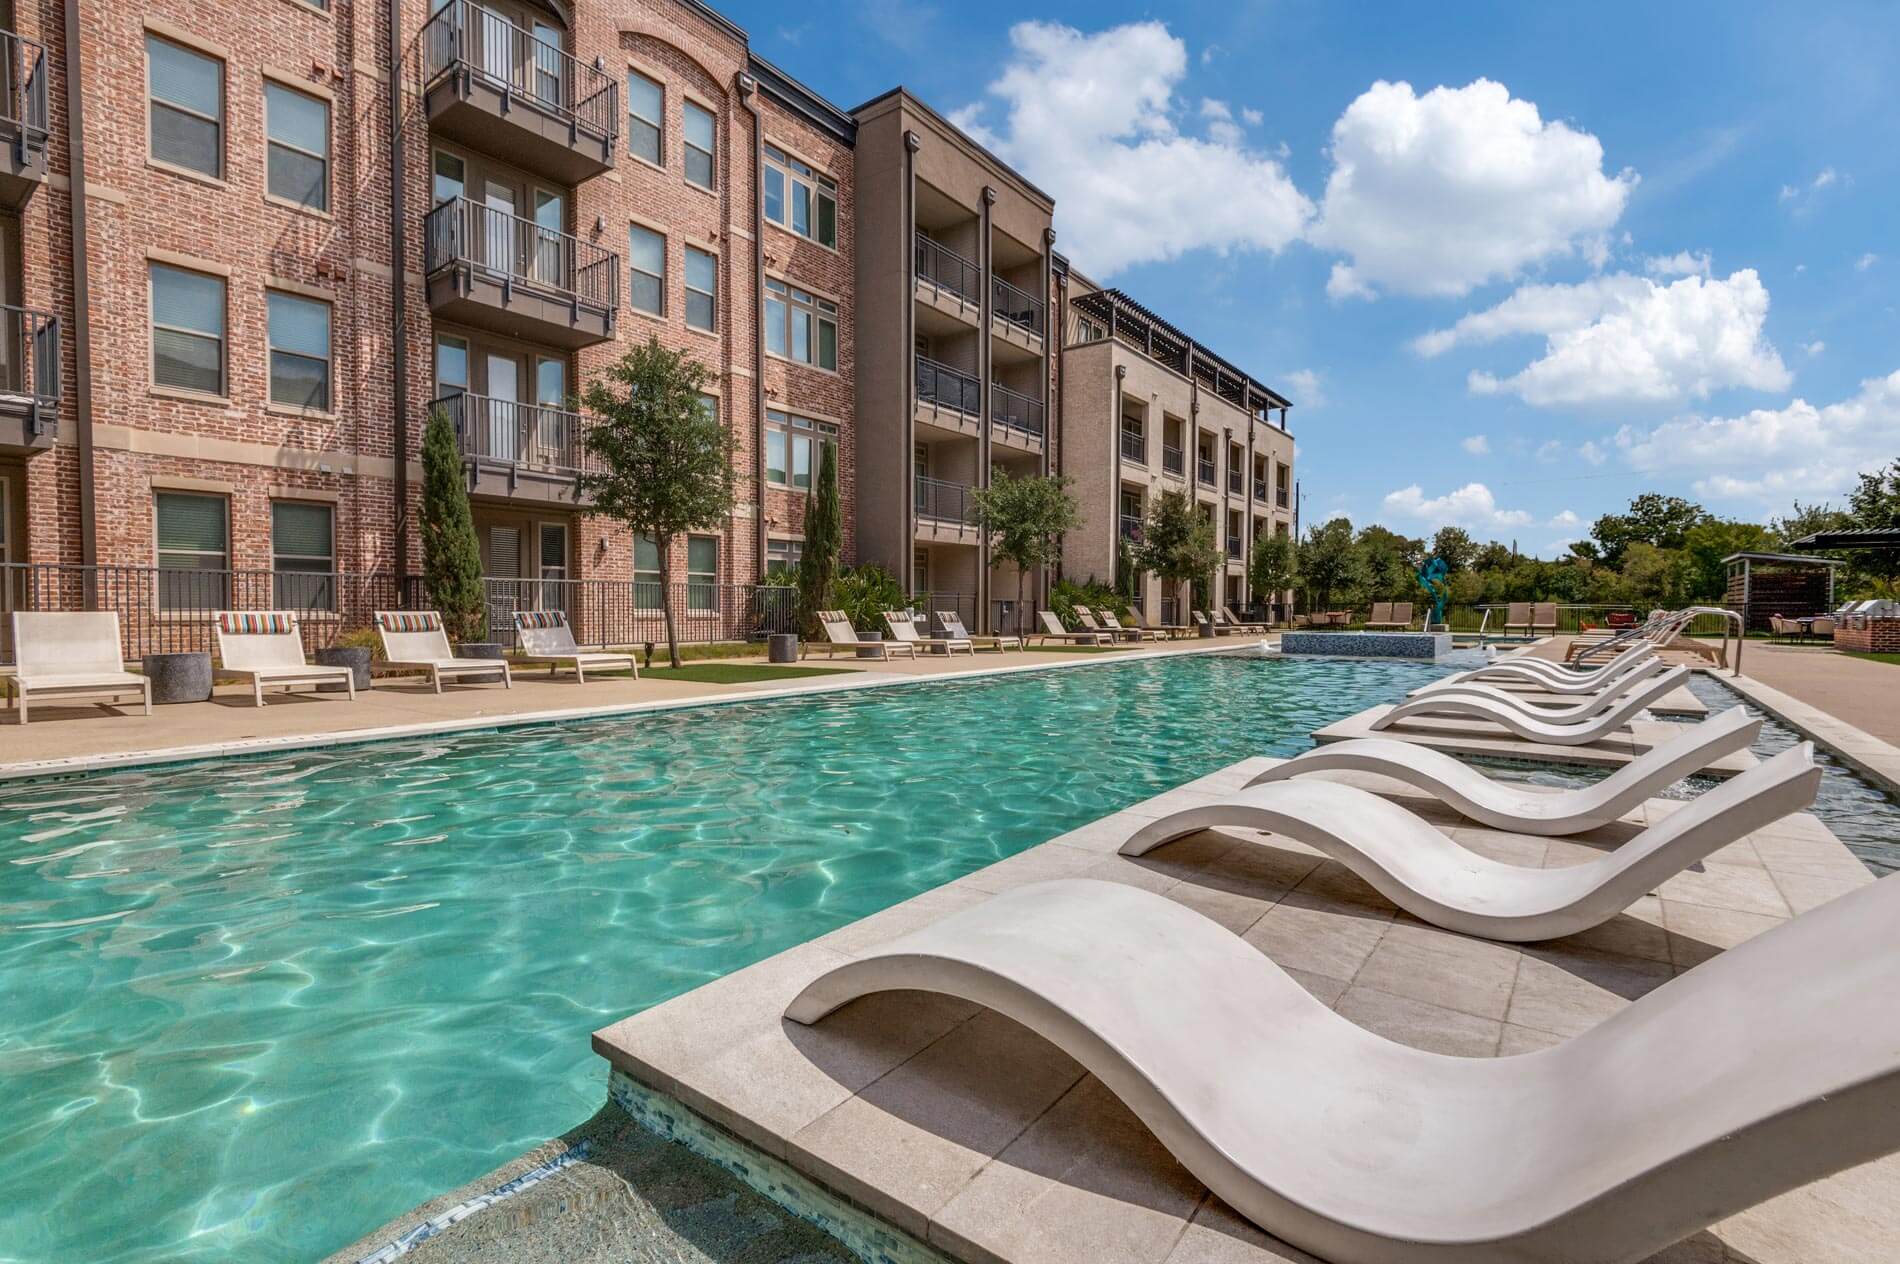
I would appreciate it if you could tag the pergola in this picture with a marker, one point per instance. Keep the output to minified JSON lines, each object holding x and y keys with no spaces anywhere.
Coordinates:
{"x":1761,"y":585}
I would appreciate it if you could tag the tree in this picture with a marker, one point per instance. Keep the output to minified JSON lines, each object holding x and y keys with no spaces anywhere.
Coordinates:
{"x":1875,"y":504}
{"x":1707,"y":543}
{"x":1654,"y":577}
{"x":1329,"y":561}
{"x":663,"y":460}
{"x":1273,"y":566}
{"x":1025,"y":519}
{"x":451,"y":555}
{"x":1390,"y":561}
{"x":824,"y":536}
{"x":1652,"y":519}
{"x":1177,"y":542}
{"x":1456,"y":546}
{"x":1492,"y":557}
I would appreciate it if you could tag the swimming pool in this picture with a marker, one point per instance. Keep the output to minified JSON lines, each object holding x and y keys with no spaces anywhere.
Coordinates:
{"x":256,"y":1008}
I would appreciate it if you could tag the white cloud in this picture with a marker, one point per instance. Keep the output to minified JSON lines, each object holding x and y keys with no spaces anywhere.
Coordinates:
{"x":1438,"y":193}
{"x":1254,"y":118}
{"x":1803,"y":195}
{"x":1623,"y":339}
{"x":1866,"y":261}
{"x":1566,"y":519}
{"x":1304,"y":385}
{"x":1775,"y":454}
{"x":1682,"y":263}
{"x":1815,"y":348}
{"x":1221,"y":128}
{"x":1476,"y":445}
{"x":1550,"y":450}
{"x":1472,"y":506}
{"x":1094,"y":119}
{"x":1592,"y":451}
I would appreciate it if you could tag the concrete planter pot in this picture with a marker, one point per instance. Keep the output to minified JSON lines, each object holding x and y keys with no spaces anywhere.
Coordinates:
{"x":356,"y":658}
{"x":781,"y":647}
{"x":1207,"y":631}
{"x":864,"y":652}
{"x":179,"y":677}
{"x":480,"y":649}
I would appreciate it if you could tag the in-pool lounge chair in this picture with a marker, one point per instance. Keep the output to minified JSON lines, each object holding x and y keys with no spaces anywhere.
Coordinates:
{"x":1579,"y":709}
{"x":1522,"y":809}
{"x":1555,"y":677}
{"x":1541,"y":727}
{"x":70,"y":654}
{"x":1517,"y":617}
{"x":1086,"y":617}
{"x":1134,"y":631}
{"x":952,"y":624}
{"x":414,"y":640}
{"x":840,"y":635}
{"x":265,"y":647}
{"x":545,"y":637}
{"x":1618,"y":682}
{"x":1052,"y":630}
{"x":1775,"y":1064}
{"x":904,"y":629}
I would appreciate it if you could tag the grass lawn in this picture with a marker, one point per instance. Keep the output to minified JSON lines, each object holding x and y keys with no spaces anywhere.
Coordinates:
{"x":736,"y":673}
{"x":1879,"y":658}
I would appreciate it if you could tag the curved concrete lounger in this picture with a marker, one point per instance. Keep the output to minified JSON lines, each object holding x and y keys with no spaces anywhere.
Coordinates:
{"x":1773,"y":1065}
{"x":1432,"y":877}
{"x":1570,"y":710}
{"x":1565,"y":683}
{"x":1542,"y":669}
{"x":1503,"y":805}
{"x":1539,"y":728}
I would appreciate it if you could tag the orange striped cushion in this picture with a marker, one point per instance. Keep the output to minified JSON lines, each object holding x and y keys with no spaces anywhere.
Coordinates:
{"x":248,"y":623}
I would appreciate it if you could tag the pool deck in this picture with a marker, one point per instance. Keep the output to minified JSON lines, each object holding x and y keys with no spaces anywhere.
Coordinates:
{"x":980,"y":1139}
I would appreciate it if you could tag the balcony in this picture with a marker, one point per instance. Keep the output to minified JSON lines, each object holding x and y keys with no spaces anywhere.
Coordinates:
{"x":1173,"y":460}
{"x":1235,"y":483}
{"x":1015,"y":316}
{"x":1134,"y":446}
{"x":1260,"y":490}
{"x":1131,"y":526}
{"x":23,"y":119}
{"x":946,"y":281}
{"x":1233,"y":547}
{"x":940,"y":386}
{"x":1204,"y":467}
{"x":1280,"y":497}
{"x":496,"y":88}
{"x":1017,"y":417}
{"x":29,"y":379}
{"x":517,"y":451}
{"x":507,"y":274}
{"x":944,"y":512}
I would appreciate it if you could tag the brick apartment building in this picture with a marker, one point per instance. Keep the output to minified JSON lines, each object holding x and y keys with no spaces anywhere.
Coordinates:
{"x":301,"y":226}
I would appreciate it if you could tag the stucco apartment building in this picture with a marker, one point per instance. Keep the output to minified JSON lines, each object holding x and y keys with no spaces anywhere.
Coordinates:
{"x":304,"y":226}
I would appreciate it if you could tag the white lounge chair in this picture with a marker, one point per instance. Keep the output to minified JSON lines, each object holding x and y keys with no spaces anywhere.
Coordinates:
{"x":841,"y":635}
{"x":1052,"y":630}
{"x":545,"y":637}
{"x":1555,"y":677}
{"x":1521,"y":809}
{"x":1118,"y":628}
{"x":415,"y":640}
{"x":1775,"y":1064}
{"x":1534,"y":729}
{"x":1569,"y":684}
{"x":1225,"y":616}
{"x":953,"y":624}
{"x":905,"y":632}
{"x":70,"y":654}
{"x":1086,"y":618}
{"x":1204,"y":620}
{"x":265,"y":647}
{"x":1572,"y":709}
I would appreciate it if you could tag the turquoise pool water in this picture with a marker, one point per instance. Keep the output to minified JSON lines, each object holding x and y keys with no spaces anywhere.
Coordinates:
{"x":255,"y":1008}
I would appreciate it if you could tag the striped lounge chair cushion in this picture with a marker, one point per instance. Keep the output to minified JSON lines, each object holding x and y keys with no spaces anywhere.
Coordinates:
{"x":540,"y":618}
{"x":407,"y":621}
{"x":247,"y":623}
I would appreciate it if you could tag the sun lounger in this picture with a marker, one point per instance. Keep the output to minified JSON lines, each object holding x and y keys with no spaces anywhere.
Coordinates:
{"x":953,"y":624}
{"x":1537,"y":728}
{"x":1611,"y":686}
{"x":1203,"y":620}
{"x":1521,"y":809}
{"x":840,"y":635}
{"x":70,"y":654}
{"x":545,"y":637}
{"x":415,"y":640}
{"x":266,"y":648}
{"x":1118,"y":628}
{"x":905,"y":632}
{"x":1086,"y":618}
{"x":1570,"y":710}
{"x":1227,"y":615}
{"x":1555,"y":677}
{"x":1052,"y":630}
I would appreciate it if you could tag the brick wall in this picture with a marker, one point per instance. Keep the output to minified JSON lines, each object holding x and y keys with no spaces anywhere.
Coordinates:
{"x":1861,"y":635}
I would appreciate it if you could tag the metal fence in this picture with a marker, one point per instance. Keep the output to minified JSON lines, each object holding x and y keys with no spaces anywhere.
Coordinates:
{"x":481,"y":42}
{"x":530,"y":435}
{"x":945,"y":501}
{"x":460,"y":231}
{"x":1173,"y":460}
{"x":1018,"y":307}
{"x":946,"y":387}
{"x":1013,"y":410}
{"x":947,"y":270}
{"x":23,"y":88}
{"x":29,"y":358}
{"x":619,"y":613}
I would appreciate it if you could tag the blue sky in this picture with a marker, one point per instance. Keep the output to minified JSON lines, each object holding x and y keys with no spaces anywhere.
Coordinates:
{"x":1514,"y":263}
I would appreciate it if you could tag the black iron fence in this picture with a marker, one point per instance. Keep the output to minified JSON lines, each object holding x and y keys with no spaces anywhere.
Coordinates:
{"x":1134,"y":446}
{"x":945,"y":501}
{"x":530,"y":435}
{"x":1173,"y":459}
{"x":619,"y":613}
{"x":1205,"y":468}
{"x":948,"y":270}
{"x":460,"y":231}
{"x":474,"y":40}
{"x":29,"y":358}
{"x":946,"y":387}
{"x":1013,"y":410}
{"x":1018,"y":307}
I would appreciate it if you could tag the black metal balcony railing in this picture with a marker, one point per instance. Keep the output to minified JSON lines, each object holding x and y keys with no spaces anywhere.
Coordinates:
{"x":945,"y":387}
{"x":948,"y":270}
{"x":29,"y":356}
{"x":944,"y":501}
{"x":1018,"y":307}
{"x":1013,"y":410}
{"x":1260,"y":489}
{"x":1131,"y":526}
{"x":521,"y":252}
{"x":1235,"y":483}
{"x":23,"y":89}
{"x":1204,"y":467}
{"x":533,"y":436}
{"x":466,"y":36}
{"x":1134,"y":446}
{"x":1280,"y":497}
{"x":1173,"y":459}
{"x":1233,"y":546}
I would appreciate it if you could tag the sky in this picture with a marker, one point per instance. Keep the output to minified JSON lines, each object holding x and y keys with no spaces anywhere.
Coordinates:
{"x":1514,"y":263}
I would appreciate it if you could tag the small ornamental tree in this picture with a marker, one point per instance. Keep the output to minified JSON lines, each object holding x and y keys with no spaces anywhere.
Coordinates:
{"x":1330,"y":563}
{"x":1272,"y":567}
{"x":824,"y":536}
{"x":1026,"y":519}
{"x":1177,"y":543}
{"x":451,"y":555}
{"x":662,"y":461}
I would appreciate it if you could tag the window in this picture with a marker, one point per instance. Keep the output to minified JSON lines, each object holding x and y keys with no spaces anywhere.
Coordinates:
{"x":646,"y":271}
{"x":186,"y":106}
{"x":702,"y":573}
{"x":451,"y":177}
{"x":303,"y":555}
{"x":299,"y":351}
{"x":451,"y":367}
{"x":800,"y":326}
{"x":297,"y":166}
{"x":187,"y":330}
{"x":646,"y":113}
{"x":193,"y":551}
{"x":791,"y":448}
{"x":646,"y":573}
{"x":781,"y":560}
{"x":711,"y":404}
{"x":702,"y":280}
{"x":699,"y":143}
{"x":798,"y":198}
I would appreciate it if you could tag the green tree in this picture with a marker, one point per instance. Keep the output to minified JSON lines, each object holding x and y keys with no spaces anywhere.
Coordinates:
{"x":451,"y":556}
{"x":1707,"y":543}
{"x":865,"y":592}
{"x":1330,"y":562}
{"x":1177,"y":543}
{"x":1493,"y":557}
{"x":1652,"y":519}
{"x":1875,"y":504}
{"x":1273,"y":566}
{"x":1025,"y":519}
{"x":1390,"y":562}
{"x":1805,"y":520}
{"x":662,"y":459}
{"x":824,"y":537}
{"x":1456,"y":546}
{"x":1654,"y":577}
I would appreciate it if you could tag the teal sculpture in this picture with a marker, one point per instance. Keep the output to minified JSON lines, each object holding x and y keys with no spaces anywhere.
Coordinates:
{"x":1433,"y":578}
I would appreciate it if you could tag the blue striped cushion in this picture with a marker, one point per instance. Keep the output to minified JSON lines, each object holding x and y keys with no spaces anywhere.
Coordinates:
{"x":406,"y":621}
{"x":249,"y":623}
{"x":540,"y":618}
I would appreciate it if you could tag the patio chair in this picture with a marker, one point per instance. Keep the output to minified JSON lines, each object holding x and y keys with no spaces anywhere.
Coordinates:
{"x":69,"y":654}
{"x":1381,"y":615}
{"x":1821,"y":626}
{"x":545,"y":637}
{"x":1233,"y":620}
{"x":415,"y":640}
{"x":1577,"y":732}
{"x":1086,"y":618}
{"x":1402,"y":615}
{"x":1162,"y":631}
{"x":1117,"y":627}
{"x":1052,"y":630}
{"x":1737,"y":1081}
{"x":1302,"y":621}
{"x":1513,"y":807}
{"x":1517,"y":614}
{"x":1544,"y":618}
{"x":1203,"y":620}
{"x":904,"y":629}
{"x":952,"y":623}
{"x":840,"y":635}
{"x":266,"y":648}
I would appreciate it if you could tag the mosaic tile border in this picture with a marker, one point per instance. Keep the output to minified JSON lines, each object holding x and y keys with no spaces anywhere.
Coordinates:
{"x":1422,"y":646}
{"x":421,"y":1233}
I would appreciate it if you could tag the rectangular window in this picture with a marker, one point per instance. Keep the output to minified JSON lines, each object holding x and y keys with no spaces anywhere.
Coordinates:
{"x":698,"y":123}
{"x":297,"y":166}
{"x":303,"y":555}
{"x":646,"y":116}
{"x":193,"y":551}
{"x":646,"y":573}
{"x":702,"y":574}
{"x":646,"y":271}
{"x":800,"y":326}
{"x":792,"y":448}
{"x":299,"y":351}
{"x":799,"y":199}
{"x":187,"y":329}
{"x":186,"y":106}
{"x":702,"y":284}
{"x":781,"y":560}
{"x":451,"y":177}
{"x":711,"y":404}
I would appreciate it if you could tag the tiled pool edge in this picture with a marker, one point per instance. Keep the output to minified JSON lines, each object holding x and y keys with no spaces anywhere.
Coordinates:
{"x":1867,"y":755}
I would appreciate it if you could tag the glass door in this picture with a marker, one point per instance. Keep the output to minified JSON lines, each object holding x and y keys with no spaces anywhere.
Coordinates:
{"x":496,"y":239}
{"x":550,"y":69}
{"x":504,"y":408}
{"x":552,"y":443}
{"x":553,"y":570}
{"x":547,"y":255}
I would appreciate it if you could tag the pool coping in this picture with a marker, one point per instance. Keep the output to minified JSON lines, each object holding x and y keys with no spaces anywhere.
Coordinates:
{"x":1873,"y":759}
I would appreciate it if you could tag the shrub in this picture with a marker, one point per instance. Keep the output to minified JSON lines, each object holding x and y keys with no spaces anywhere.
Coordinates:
{"x":865,"y":592}
{"x":1067,"y":595}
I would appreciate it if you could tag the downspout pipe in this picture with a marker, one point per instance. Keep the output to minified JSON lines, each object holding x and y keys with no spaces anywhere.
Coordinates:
{"x":398,"y":295}
{"x":749,"y":100}
{"x":907,"y":483}
{"x":82,"y":290}
{"x":985,"y":371}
